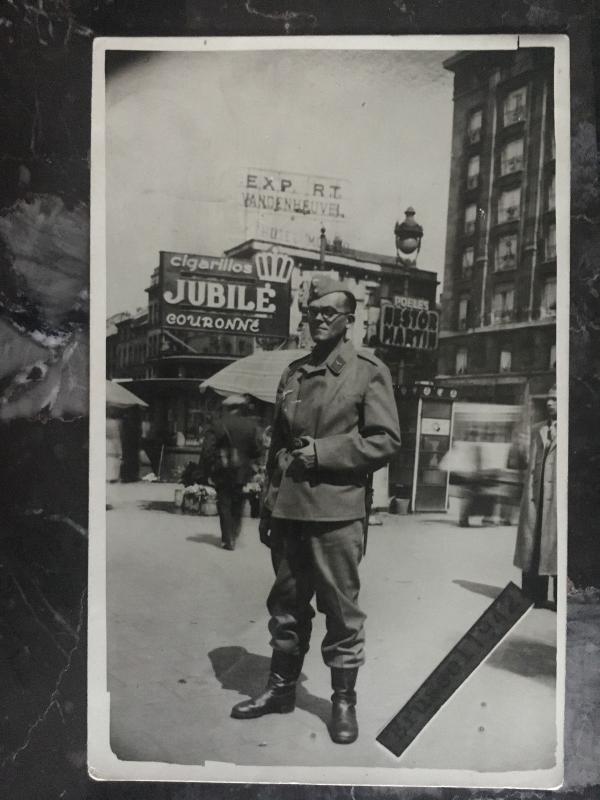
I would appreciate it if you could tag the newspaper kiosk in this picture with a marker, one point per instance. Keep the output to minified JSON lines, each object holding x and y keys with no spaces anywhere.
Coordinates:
{"x":426,"y":418}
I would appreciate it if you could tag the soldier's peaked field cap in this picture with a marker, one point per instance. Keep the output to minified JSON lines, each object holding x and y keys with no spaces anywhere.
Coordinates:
{"x":322,"y":285}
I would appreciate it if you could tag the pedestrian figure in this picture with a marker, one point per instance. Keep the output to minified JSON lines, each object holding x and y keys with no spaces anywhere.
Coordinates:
{"x":474,"y":501}
{"x":535,"y":552}
{"x":114,"y":447}
{"x":335,"y":422}
{"x":235,"y":445}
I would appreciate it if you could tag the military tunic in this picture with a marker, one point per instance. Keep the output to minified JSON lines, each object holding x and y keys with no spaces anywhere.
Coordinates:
{"x":347,"y":406}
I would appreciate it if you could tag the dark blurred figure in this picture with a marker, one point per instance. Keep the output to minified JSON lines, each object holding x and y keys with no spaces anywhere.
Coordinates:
{"x":535,"y":552}
{"x":234,"y":446}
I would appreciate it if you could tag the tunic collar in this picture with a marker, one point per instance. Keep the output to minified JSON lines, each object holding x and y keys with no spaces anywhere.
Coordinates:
{"x":336,"y":360}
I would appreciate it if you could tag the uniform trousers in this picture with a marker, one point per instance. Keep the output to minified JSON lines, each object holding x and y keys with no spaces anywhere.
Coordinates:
{"x":317,"y":558}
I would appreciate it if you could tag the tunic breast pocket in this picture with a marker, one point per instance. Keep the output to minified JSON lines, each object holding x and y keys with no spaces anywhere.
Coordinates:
{"x":348,"y":400}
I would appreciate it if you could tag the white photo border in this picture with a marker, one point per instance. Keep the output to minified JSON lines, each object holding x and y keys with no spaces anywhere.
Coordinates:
{"x":102,"y":762}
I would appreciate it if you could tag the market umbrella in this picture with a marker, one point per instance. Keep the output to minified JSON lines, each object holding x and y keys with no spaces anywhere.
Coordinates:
{"x":118,"y":395}
{"x":257,"y":375}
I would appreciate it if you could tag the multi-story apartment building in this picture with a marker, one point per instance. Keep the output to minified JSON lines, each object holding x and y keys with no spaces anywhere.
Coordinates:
{"x":126,"y":345}
{"x":497,"y":341}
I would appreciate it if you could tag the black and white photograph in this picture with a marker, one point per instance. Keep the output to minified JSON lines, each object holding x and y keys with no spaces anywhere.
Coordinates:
{"x":329,"y":369}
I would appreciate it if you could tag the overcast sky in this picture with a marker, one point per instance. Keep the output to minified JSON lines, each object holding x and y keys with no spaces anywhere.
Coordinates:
{"x":182,"y":129}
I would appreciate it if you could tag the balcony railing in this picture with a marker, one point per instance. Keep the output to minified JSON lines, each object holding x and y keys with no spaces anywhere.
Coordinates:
{"x":505,"y":262}
{"x":513,"y":164}
{"x":508,"y":214}
{"x":502,"y":315}
{"x":514,"y":115}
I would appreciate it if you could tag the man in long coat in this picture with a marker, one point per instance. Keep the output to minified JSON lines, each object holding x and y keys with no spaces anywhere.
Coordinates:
{"x":535,"y":552}
{"x":335,"y":423}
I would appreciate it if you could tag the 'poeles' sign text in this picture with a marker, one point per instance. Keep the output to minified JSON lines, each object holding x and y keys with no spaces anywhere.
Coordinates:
{"x":408,"y":322}
{"x":226,"y":295}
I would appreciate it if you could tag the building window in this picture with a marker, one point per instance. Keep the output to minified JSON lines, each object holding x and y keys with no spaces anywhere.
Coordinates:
{"x":461,"y":360}
{"x":550,"y":244}
{"x":552,"y":362}
{"x":468,"y":257}
{"x":473,"y":172}
{"x":511,"y":159}
{"x":470,"y":219}
{"x":463,"y":312}
{"x":505,"y":255}
{"x":548,"y":304}
{"x":551,"y":194}
{"x":474,"y":126}
{"x":505,"y":361}
{"x":503,"y":304}
{"x":496,"y":77}
{"x":514,"y":106}
{"x":509,"y":205}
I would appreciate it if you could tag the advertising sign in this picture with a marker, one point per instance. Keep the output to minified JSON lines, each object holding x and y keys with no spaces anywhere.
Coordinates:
{"x":408,"y":322}
{"x":291,"y":207}
{"x":226,"y":295}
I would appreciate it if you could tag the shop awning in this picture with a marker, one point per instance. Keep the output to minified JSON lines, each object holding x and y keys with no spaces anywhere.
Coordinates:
{"x":119,"y":396}
{"x":257,"y":375}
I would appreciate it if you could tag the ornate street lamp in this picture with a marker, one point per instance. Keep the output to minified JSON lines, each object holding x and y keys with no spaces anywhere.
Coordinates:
{"x":408,"y":239}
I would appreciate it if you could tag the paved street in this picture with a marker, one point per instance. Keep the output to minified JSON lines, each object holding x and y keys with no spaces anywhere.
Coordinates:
{"x":187,"y":639}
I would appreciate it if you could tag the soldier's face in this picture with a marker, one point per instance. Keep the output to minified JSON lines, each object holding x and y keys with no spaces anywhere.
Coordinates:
{"x":328,"y":317}
{"x":551,"y":407}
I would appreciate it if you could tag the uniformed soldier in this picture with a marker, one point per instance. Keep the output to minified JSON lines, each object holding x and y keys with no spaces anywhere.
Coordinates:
{"x":335,"y":423}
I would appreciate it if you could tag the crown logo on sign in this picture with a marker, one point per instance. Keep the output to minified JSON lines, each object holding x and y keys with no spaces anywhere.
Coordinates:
{"x":275,"y":267}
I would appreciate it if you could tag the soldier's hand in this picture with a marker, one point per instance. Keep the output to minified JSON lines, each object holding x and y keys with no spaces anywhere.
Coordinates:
{"x":306,"y":454}
{"x":264,"y":530}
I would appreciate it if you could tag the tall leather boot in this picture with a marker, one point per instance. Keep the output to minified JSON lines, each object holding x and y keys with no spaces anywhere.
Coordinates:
{"x":343,"y":728}
{"x":279,"y":696}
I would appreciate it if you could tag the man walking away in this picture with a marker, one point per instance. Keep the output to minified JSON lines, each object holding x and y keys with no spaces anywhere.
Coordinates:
{"x":235,"y":445}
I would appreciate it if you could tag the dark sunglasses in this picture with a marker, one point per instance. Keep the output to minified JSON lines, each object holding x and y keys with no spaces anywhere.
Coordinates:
{"x":327,"y":313}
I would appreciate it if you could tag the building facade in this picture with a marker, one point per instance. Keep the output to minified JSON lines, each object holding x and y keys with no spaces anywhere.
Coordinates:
{"x":396,"y":313}
{"x":498,"y":331}
{"x":188,"y":330}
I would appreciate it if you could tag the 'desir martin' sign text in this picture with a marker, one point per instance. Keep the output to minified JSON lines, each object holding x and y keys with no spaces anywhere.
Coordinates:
{"x":408,"y":322}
